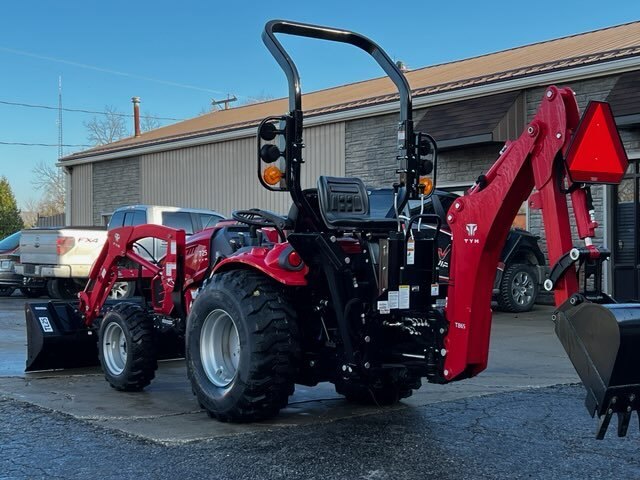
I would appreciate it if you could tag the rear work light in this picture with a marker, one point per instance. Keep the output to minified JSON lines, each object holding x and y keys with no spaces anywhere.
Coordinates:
{"x":64,"y":244}
{"x":596,"y":154}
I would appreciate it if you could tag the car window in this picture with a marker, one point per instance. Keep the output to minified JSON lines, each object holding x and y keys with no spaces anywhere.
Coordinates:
{"x":414,"y":206}
{"x":117,"y":220}
{"x":128,"y":219}
{"x":11,"y":242}
{"x":209,"y":220}
{"x":139,"y":217}
{"x":179,"y":220}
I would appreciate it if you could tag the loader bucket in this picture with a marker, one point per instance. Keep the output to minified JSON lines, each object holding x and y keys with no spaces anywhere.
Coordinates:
{"x":58,"y":338}
{"x":603,"y":343}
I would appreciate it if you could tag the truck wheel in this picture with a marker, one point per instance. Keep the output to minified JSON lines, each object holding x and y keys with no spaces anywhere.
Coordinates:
{"x":242,"y":349}
{"x":122,"y":290}
{"x":33,"y":292}
{"x":382,"y":392}
{"x":63,"y":289}
{"x":126,"y":348}
{"x":6,"y":291}
{"x":519,"y":288}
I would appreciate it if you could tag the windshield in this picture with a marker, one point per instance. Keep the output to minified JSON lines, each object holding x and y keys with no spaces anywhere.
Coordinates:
{"x":11,"y":242}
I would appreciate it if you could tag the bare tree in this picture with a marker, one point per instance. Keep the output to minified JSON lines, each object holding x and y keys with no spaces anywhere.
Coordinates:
{"x":148,"y":121}
{"x":106,"y":128}
{"x":50,"y":180}
{"x":29,"y":212}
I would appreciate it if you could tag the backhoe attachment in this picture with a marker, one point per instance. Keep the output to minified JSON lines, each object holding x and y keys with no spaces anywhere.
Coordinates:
{"x":603,"y":343}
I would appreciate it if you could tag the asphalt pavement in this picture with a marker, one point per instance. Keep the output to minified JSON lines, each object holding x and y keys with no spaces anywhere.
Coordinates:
{"x":522,"y":418}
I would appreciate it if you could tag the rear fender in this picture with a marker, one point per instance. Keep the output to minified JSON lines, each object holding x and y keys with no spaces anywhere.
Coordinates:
{"x":272,"y":261}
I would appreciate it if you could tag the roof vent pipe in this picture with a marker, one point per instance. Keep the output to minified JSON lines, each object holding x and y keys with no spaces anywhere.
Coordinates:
{"x":136,"y":115}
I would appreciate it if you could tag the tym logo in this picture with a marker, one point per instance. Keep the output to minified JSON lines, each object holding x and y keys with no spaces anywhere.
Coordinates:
{"x":472,"y":241}
{"x":471,"y":229}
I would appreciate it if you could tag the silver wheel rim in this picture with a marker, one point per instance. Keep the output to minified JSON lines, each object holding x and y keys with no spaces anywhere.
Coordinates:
{"x":114,"y":347}
{"x":220,"y":348}
{"x":119,"y":290}
{"x":522,"y":288}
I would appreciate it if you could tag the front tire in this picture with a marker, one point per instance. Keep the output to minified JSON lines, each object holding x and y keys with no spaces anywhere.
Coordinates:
{"x":242,"y":351}
{"x":518,"y":289}
{"x":126,"y":348}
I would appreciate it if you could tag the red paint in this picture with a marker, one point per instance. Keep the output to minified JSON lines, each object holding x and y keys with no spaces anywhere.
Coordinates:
{"x":265,"y":260}
{"x":480,"y":222}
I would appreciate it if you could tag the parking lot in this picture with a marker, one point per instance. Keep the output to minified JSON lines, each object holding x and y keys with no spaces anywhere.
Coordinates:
{"x":522,"y":418}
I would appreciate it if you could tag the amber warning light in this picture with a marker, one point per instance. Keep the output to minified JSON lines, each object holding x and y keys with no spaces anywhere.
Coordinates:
{"x":596,"y":154}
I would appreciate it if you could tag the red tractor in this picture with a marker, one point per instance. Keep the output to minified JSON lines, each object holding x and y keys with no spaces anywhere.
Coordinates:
{"x":333,"y":293}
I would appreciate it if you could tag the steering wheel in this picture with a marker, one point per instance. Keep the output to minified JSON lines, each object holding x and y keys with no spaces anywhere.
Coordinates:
{"x":261,"y":219}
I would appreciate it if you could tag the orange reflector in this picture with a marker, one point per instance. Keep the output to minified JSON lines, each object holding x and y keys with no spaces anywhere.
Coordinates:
{"x":272,"y":175}
{"x":596,"y":154}
{"x":428,"y":184}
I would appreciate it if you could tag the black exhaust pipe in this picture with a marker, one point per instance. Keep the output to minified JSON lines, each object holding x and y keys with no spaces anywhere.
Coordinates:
{"x":603,"y":343}
{"x":58,"y":338}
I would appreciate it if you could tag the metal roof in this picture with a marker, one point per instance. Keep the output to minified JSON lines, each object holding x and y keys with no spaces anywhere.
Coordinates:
{"x":605,"y":45}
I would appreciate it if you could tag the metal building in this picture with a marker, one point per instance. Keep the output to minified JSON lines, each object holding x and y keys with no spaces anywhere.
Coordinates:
{"x":470,"y":106}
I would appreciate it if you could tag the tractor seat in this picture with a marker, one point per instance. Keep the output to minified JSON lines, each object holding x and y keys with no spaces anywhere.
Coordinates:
{"x":344,"y":205}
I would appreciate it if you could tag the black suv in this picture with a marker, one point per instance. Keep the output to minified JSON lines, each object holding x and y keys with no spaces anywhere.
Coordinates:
{"x":522,"y":263}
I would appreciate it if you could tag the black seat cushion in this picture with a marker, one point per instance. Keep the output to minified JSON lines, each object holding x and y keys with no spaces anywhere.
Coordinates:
{"x":344,"y":204}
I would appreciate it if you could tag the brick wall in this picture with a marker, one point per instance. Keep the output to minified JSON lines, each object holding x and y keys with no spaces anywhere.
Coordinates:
{"x":371,"y":150}
{"x":587,"y":90}
{"x":115,"y":183}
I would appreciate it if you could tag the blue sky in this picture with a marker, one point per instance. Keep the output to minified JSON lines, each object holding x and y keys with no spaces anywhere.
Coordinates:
{"x":178,"y":55}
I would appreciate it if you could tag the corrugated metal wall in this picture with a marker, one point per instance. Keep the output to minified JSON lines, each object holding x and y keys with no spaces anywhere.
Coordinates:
{"x":82,"y":195}
{"x":222,"y":176}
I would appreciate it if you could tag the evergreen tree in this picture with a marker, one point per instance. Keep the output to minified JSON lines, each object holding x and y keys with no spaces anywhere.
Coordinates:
{"x":10,"y":220}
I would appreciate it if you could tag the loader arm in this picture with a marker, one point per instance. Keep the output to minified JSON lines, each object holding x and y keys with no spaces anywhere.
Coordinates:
{"x":119,"y":245}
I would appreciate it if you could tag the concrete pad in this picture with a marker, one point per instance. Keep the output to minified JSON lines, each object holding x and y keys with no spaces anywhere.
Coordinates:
{"x":524,"y":353}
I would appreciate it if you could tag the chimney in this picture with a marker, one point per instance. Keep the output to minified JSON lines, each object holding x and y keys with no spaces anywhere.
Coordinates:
{"x":136,"y":115}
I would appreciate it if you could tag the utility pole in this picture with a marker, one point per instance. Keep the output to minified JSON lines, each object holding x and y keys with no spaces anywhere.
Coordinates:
{"x":226,"y":101}
{"x":60,"y":153}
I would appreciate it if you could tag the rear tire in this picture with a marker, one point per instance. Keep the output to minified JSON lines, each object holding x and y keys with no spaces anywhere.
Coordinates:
{"x":242,"y":350}
{"x":33,"y":292}
{"x":122,"y":290}
{"x":63,"y":289}
{"x":382,"y":392}
{"x":6,"y":291}
{"x":518,"y":289}
{"x":126,"y":347}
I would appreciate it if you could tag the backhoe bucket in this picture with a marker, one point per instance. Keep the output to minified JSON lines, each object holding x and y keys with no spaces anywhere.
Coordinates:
{"x":603,"y":343}
{"x":58,"y":338}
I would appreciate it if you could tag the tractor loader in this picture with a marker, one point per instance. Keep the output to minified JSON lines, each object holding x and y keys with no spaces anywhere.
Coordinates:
{"x":333,"y":293}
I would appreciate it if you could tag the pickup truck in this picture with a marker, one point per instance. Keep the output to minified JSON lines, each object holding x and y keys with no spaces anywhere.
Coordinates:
{"x":522,"y":268}
{"x":64,"y":256}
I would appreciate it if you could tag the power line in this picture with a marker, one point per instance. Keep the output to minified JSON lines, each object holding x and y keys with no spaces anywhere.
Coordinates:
{"x":25,"y":144}
{"x":79,"y":110}
{"x":113,"y":72}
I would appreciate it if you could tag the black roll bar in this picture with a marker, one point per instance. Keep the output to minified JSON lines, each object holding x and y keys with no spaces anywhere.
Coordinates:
{"x":334,"y":35}
{"x":294,"y":121}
